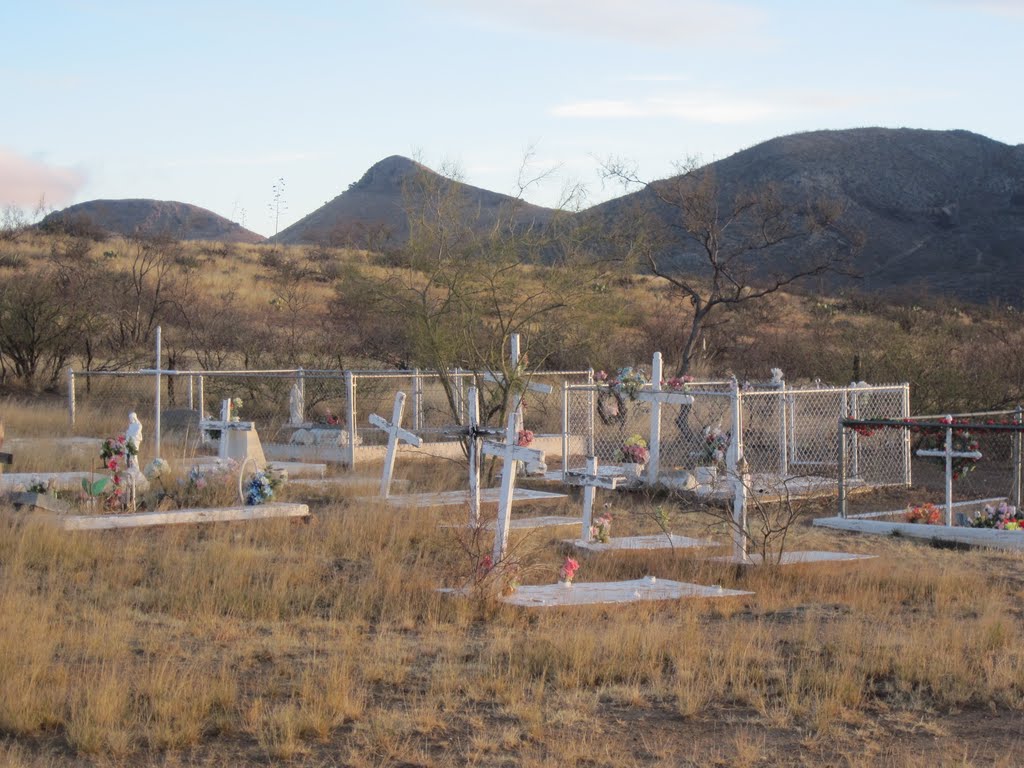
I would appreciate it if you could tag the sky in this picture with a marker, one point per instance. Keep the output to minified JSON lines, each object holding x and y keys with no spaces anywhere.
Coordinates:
{"x":212,"y":103}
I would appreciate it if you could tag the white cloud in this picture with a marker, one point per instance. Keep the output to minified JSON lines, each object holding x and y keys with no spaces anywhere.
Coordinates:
{"x":645,"y":22}
{"x":25,"y":181}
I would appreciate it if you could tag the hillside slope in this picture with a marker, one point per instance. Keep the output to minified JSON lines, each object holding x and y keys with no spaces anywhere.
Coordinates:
{"x":374,"y":211}
{"x":151,"y":217}
{"x":943,"y":210}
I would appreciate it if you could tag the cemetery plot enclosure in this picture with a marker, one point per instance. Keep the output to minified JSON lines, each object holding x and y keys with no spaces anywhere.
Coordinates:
{"x":966,"y":472}
{"x":786,"y":432}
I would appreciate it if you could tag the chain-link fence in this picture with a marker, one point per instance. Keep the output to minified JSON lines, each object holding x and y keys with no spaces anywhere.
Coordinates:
{"x":786,"y":432}
{"x":974,"y":479}
{"x":280,"y":401}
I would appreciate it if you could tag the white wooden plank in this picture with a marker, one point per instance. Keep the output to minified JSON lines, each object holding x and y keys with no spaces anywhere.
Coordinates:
{"x":980,"y":537}
{"x":650,"y":542}
{"x":795,"y":558}
{"x":179,"y":516}
{"x":459,"y":498}
{"x":604,"y":592}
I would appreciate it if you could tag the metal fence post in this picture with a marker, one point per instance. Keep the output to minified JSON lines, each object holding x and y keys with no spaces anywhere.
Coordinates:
{"x":71,"y":396}
{"x":906,"y":435}
{"x":191,"y":392}
{"x":417,"y":400}
{"x":200,"y":395}
{"x":350,"y":396}
{"x":842,"y":468}
{"x":156,"y":428}
{"x":565,"y":428}
{"x":1018,"y":456}
{"x":301,"y":381}
{"x":783,"y":434}
{"x":654,"y":449}
{"x":735,"y":464}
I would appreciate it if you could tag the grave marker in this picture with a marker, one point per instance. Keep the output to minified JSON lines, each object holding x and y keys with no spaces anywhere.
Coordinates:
{"x":511,"y":454}
{"x":395,"y":434}
{"x":238,"y":439}
{"x":948,"y":453}
{"x":656,"y":397}
{"x":590,"y":481}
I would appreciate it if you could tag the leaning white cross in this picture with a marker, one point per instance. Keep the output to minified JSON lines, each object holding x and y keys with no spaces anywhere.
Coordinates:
{"x":511,"y":454}
{"x":949,"y":454}
{"x":590,"y":481}
{"x":395,"y":433}
{"x":223,"y":425}
{"x":656,"y":397}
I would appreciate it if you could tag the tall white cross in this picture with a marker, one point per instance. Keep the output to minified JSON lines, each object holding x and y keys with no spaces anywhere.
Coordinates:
{"x":473,"y":433}
{"x":511,"y":454}
{"x":656,"y":397}
{"x":949,"y":454}
{"x":395,"y":433}
{"x":590,"y":482}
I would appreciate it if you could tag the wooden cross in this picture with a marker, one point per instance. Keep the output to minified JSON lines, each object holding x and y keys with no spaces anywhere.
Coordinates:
{"x":225,"y":423}
{"x":473,"y":432}
{"x":656,"y":397}
{"x":510,"y":454}
{"x":949,"y":454}
{"x":395,"y":433}
{"x":590,"y":481}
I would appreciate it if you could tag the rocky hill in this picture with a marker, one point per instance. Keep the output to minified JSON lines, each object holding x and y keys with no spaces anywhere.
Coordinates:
{"x":149,"y":217}
{"x":939,"y":210}
{"x":374,"y":211}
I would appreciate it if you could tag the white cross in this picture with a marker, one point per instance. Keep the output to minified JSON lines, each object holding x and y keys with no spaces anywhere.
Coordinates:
{"x":225,"y":423}
{"x":510,"y":454}
{"x":656,"y":396}
{"x":590,"y":482}
{"x":513,"y":358}
{"x":473,"y":432}
{"x":395,"y":433}
{"x":949,"y":454}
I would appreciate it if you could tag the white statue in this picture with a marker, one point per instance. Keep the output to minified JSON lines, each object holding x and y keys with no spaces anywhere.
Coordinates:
{"x":296,"y":406}
{"x":777,"y":377}
{"x":133,"y":435}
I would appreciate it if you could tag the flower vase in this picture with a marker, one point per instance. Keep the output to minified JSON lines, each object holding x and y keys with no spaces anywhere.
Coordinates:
{"x":632,"y":470}
{"x":706,"y":475}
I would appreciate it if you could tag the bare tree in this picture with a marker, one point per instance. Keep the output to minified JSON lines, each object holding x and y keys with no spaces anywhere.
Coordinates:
{"x":719,"y":250}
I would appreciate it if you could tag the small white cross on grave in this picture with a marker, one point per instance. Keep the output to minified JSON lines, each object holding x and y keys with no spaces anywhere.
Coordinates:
{"x":656,"y":397}
{"x":511,"y":454}
{"x":513,"y":359}
{"x":948,"y":453}
{"x":590,"y":482}
{"x":395,"y":433}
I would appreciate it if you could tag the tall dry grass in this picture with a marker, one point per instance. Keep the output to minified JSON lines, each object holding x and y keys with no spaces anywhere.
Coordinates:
{"x":326,"y":642}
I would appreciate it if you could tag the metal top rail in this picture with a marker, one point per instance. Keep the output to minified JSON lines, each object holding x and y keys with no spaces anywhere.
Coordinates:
{"x":914,"y":422}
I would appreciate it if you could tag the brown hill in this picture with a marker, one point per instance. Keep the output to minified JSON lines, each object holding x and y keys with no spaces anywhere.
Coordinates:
{"x":374,"y":211}
{"x":941,"y":210}
{"x":149,"y":217}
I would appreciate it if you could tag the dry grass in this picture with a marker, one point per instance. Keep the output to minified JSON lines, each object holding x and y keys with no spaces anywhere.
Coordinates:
{"x":326,"y":643}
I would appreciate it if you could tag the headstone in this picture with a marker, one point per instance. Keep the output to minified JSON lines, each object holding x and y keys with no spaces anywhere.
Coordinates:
{"x":296,"y":406}
{"x":238,"y":439}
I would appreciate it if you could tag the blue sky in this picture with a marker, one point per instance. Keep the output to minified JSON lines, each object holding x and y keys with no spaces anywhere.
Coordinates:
{"x":211,"y":102}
